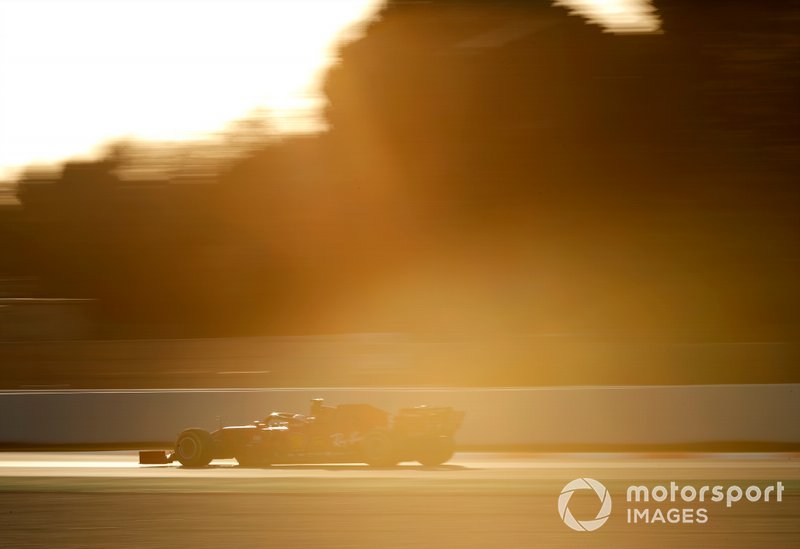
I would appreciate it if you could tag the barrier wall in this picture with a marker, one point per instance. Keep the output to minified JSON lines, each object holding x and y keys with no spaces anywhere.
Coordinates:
{"x":603,"y":416}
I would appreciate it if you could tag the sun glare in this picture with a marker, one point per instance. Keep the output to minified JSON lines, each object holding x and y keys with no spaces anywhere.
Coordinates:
{"x":75,"y":74}
{"x":619,"y":16}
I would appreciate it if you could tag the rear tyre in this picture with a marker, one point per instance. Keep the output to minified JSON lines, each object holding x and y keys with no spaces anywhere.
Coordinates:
{"x":194,"y":448}
{"x":436,"y":450}
{"x":378,"y":450}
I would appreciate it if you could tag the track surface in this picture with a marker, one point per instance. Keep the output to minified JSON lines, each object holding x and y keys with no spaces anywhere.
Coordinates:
{"x":477,"y":500}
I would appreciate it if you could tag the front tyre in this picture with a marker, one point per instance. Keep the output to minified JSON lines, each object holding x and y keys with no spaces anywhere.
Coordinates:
{"x":194,"y":448}
{"x":436,"y":450}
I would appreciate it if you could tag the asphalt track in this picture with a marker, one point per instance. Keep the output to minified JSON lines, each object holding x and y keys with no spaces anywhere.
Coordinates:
{"x":477,"y":500}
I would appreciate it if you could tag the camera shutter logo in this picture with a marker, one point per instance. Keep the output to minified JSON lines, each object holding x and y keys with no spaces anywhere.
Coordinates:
{"x":602,"y":514}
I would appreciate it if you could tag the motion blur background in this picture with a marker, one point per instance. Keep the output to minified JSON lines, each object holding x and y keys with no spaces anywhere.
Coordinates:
{"x":450,"y":192}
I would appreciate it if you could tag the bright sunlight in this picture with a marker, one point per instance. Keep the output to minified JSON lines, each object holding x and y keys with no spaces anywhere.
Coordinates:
{"x":618,"y":16}
{"x":75,"y":74}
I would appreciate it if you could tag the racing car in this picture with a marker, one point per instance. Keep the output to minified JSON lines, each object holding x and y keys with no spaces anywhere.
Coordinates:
{"x":348,"y":433}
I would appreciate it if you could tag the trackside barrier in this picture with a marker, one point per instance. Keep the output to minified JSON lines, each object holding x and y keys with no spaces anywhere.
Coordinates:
{"x":650,"y":415}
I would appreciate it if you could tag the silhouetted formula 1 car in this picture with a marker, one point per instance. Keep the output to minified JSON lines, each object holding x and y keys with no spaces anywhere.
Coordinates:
{"x":349,"y":433}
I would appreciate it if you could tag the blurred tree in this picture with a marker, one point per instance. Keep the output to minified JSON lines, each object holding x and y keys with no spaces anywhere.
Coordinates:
{"x":489,"y":166}
{"x":607,"y":177}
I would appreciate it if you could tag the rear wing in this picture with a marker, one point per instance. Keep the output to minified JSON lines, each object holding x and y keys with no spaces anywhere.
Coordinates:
{"x":422,"y":420}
